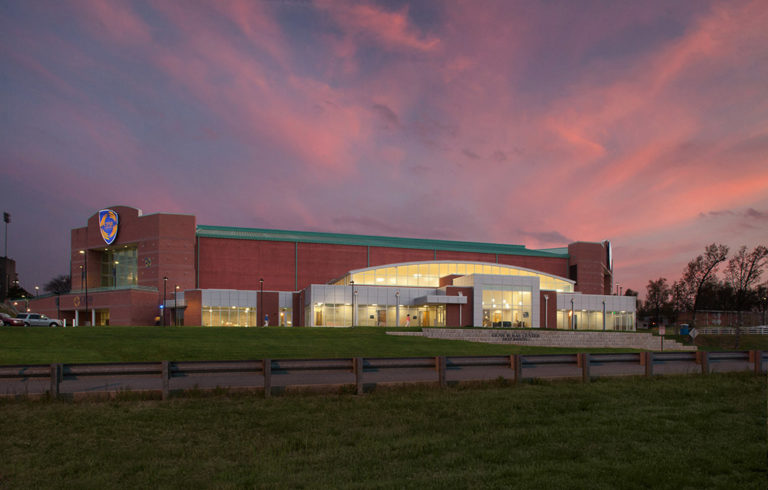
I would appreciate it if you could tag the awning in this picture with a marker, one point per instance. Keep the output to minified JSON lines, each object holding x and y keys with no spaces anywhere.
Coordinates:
{"x":434,"y":299}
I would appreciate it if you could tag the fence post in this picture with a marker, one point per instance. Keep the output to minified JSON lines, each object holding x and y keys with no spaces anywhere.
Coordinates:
{"x":704,"y":362}
{"x":357,"y":363}
{"x":518,"y":361}
{"x":585,"y":375}
{"x":166,"y":378}
{"x":441,"y":370}
{"x":758,"y":355}
{"x":267,"y":370}
{"x":649,"y":363}
{"x":55,"y":379}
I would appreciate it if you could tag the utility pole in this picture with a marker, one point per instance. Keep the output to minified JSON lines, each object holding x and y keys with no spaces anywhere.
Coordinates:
{"x":7,"y":219}
{"x":7,"y":279}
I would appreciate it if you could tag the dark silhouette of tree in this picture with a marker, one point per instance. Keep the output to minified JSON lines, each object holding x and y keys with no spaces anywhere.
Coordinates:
{"x":743,"y":272}
{"x":59,"y":285}
{"x":699,"y":273}
{"x":18,"y":292}
{"x":658,"y":295}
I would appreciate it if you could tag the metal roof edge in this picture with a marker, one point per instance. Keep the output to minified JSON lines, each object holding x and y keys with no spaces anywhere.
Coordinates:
{"x":208,"y":231}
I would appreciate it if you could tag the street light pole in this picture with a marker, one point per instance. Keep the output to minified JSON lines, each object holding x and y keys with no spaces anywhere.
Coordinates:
{"x":261,"y":297}
{"x":165,"y":281}
{"x":603,"y":315}
{"x":573,"y":317}
{"x":7,"y":219}
{"x":37,"y":291}
{"x":546,"y":311}
{"x":397,"y":311}
{"x":175,"y":304}
{"x":85,"y":277}
{"x":352,"y":291}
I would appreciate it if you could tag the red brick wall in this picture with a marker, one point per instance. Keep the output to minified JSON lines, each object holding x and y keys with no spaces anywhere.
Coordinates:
{"x":548,"y":310}
{"x":468,"y":256}
{"x":320,"y":263}
{"x":448,"y":280}
{"x":467,"y":310}
{"x":271,"y":306}
{"x":167,"y":240}
{"x":550,"y":265}
{"x":126,"y":306}
{"x":239,"y":264}
{"x":385,"y":255}
{"x":590,"y":261}
{"x":193,"y":315}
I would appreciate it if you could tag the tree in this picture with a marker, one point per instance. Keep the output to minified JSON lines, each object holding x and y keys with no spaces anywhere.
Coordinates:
{"x":698,"y":273}
{"x":59,"y":285}
{"x":658,"y":294}
{"x":18,"y":292}
{"x":743,"y":271}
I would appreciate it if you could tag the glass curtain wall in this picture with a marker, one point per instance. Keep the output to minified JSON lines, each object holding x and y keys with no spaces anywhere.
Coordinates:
{"x":593,"y":320}
{"x":413,"y":316}
{"x":286,"y":317}
{"x":119,"y":267}
{"x":508,"y":306}
{"x":232,"y":316}
{"x":428,"y":274}
{"x":340,"y":315}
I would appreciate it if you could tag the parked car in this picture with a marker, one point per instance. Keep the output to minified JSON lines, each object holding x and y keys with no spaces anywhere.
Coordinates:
{"x":38,"y":320}
{"x":6,"y":319}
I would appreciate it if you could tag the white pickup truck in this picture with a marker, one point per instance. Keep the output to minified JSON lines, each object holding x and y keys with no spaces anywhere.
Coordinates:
{"x":38,"y":320}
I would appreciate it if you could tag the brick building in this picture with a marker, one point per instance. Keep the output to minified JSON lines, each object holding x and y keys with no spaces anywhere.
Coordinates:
{"x":132,"y":269}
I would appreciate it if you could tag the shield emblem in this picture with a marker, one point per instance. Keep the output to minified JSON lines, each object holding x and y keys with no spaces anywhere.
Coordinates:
{"x":108,"y":225}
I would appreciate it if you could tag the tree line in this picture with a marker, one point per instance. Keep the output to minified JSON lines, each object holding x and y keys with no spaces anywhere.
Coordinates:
{"x":700,"y":287}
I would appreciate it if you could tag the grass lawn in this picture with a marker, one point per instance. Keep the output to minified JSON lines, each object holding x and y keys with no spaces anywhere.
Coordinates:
{"x":667,"y":432}
{"x":126,"y":344}
{"x":728,"y":342}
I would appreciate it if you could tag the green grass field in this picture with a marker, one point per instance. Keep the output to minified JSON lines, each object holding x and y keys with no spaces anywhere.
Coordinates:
{"x":126,"y":344}
{"x":669,"y":432}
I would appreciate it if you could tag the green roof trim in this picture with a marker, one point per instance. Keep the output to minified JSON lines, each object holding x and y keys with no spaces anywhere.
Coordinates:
{"x":205,"y":231}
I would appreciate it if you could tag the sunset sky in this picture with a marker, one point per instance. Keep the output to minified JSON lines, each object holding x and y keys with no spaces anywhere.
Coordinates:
{"x":534,"y":123}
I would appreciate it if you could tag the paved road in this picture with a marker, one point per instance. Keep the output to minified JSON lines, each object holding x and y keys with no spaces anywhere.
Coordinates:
{"x":77,"y":385}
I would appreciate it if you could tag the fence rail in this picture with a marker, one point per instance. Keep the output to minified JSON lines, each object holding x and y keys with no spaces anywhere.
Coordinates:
{"x":269,"y":374}
{"x":761,"y":330}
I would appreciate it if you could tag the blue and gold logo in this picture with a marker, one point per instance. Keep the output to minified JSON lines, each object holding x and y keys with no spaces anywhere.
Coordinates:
{"x":108,"y":225}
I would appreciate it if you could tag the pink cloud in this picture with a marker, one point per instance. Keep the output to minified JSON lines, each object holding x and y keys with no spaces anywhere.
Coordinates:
{"x":391,"y":29}
{"x":115,"y":20}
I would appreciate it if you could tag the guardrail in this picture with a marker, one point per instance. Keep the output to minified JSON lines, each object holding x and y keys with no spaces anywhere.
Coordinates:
{"x":761,"y":330}
{"x":40,"y":379}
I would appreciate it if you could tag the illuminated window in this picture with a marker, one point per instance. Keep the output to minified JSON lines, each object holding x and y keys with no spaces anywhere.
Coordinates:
{"x":428,"y":274}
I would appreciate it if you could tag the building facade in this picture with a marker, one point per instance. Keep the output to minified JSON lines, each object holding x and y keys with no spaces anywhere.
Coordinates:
{"x":132,"y":269}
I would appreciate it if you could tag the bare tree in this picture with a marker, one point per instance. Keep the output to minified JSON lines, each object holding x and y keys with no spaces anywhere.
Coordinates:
{"x":743,"y":272}
{"x":658,"y":294}
{"x":59,"y":285}
{"x":699,"y":272}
